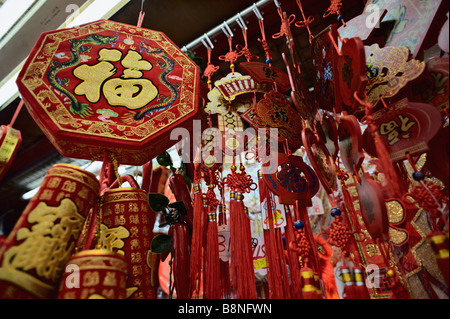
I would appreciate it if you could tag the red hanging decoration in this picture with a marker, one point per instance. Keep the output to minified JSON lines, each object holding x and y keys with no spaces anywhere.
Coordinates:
{"x":199,"y":223}
{"x":242,"y":270}
{"x":212,"y":263}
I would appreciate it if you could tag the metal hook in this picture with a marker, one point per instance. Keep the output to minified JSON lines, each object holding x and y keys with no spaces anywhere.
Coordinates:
{"x":277,"y":4}
{"x":226,"y":29}
{"x":241,"y":22}
{"x":208,"y":44}
{"x":257,"y":12}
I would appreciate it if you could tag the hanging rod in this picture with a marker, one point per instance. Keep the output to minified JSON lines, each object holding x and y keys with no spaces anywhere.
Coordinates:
{"x":219,"y":28}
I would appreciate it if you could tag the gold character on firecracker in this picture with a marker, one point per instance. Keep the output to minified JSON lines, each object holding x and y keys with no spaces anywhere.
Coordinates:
{"x":129,"y":90}
{"x":134,"y":219}
{"x":133,"y":207}
{"x":46,"y":194}
{"x":135,"y":244}
{"x":134,"y":231}
{"x":112,"y":238}
{"x":69,"y":186}
{"x":43,"y":248}
{"x":395,"y":131}
{"x":53,"y":182}
{"x":110,"y":279}
{"x":119,"y":208}
{"x":136,"y":258}
{"x":91,"y":279}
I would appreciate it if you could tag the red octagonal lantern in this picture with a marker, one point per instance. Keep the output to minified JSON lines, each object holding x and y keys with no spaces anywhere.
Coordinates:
{"x":109,"y":86}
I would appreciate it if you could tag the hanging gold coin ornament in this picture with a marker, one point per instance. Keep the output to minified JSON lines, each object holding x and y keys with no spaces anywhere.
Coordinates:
{"x":144,"y":86}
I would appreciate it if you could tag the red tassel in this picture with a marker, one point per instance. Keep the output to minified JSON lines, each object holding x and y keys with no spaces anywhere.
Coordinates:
{"x":225,"y":284}
{"x":273,"y":271}
{"x":294,"y":267}
{"x":212,"y":265}
{"x":349,"y":288}
{"x":199,"y":222}
{"x":361,"y":291}
{"x":439,"y":243}
{"x":242,"y":270}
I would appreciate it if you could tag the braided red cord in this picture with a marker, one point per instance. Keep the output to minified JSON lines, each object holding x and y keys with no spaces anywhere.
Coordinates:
{"x":240,"y":182}
{"x":339,"y":235}
{"x":232,"y":55}
{"x":301,"y":246}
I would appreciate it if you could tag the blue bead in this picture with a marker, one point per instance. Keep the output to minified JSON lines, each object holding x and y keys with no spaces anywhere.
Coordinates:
{"x":418,"y":175}
{"x":284,"y":240}
{"x":335,"y":212}
{"x":268,"y":61}
{"x":299,"y":224}
{"x":340,"y":17}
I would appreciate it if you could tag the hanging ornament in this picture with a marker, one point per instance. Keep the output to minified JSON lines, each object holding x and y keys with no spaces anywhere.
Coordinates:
{"x":389,"y":69}
{"x":350,"y":142}
{"x":301,"y":96}
{"x":54,"y":217}
{"x":275,"y":111}
{"x":212,"y":262}
{"x":10,"y":139}
{"x":320,"y":159}
{"x":406,"y":127}
{"x":306,"y":22}
{"x":340,"y":235}
{"x":302,"y":247}
{"x":102,"y":274}
{"x":433,"y":86}
{"x":352,"y":65}
{"x":272,"y":221}
{"x":415,"y":22}
{"x":241,"y":268}
{"x":325,"y":59}
{"x":294,"y":182}
{"x":144,"y":86}
{"x":373,"y":208}
{"x":125,"y":229}
{"x":198,"y":233}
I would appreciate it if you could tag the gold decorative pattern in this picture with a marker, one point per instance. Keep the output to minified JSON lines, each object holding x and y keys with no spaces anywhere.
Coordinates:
{"x":53,"y":102}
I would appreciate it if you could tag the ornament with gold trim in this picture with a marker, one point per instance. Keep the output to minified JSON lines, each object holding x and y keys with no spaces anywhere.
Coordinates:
{"x":94,"y":274}
{"x":34,"y":254}
{"x":108,"y":86}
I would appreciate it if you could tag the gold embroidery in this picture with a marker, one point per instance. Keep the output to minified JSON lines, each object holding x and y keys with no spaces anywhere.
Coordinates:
{"x":43,"y":247}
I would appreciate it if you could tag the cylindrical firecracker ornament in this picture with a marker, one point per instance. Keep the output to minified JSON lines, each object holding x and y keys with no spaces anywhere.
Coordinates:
{"x":35,"y":252}
{"x":126,"y":230}
{"x":94,"y":274}
{"x":439,"y":243}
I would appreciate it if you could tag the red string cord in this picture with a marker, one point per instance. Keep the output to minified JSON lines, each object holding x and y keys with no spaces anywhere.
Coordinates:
{"x":232,"y":55}
{"x":306,"y":21}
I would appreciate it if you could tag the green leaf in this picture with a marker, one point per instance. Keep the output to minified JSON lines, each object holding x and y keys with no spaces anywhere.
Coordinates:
{"x":164,"y":159}
{"x":161,"y":243}
{"x":179,"y":206}
{"x":157,"y":201}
